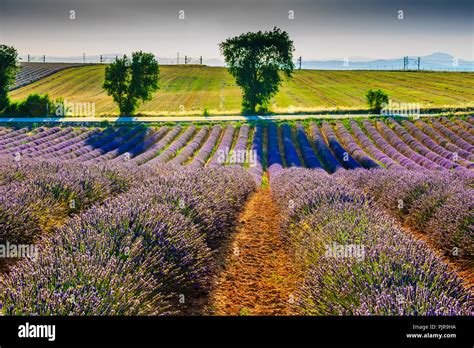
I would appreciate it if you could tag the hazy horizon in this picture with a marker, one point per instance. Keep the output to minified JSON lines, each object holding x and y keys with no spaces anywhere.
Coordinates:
{"x":321,"y":29}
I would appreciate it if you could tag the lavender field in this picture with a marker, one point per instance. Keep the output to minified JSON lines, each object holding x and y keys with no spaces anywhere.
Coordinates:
{"x":375,"y":215}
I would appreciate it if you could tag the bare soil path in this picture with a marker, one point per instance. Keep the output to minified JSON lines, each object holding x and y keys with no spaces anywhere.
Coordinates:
{"x":258,"y":276}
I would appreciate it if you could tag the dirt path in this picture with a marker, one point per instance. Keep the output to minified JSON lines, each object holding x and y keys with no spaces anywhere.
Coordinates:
{"x":258,"y":278}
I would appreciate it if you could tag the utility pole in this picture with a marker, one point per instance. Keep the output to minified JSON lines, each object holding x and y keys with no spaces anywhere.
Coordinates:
{"x":177,"y":58}
{"x":101,"y":60}
{"x":200,"y":60}
{"x":28,"y":58}
{"x":299,"y":61}
{"x":83,"y":57}
{"x":44,"y":58}
{"x":419,"y":59}
{"x":185,"y":59}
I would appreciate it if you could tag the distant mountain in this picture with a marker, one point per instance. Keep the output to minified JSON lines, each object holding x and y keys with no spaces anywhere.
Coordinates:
{"x":436,"y":61}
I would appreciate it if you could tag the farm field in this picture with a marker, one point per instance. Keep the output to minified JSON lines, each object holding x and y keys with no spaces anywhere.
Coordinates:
{"x":31,"y":72}
{"x":189,"y":90}
{"x":341,"y":217}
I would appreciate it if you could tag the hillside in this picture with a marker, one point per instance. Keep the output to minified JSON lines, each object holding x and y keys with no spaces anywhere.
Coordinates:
{"x":188,"y":90}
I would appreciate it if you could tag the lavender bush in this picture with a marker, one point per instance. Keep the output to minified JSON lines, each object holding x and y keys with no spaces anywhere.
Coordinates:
{"x":403,"y":148}
{"x":223,"y":147}
{"x":142,"y":146}
{"x":138,"y":254}
{"x":291,"y":156}
{"x":188,"y":152}
{"x":327,"y":158}
{"x":418,"y":147}
{"x":205,"y":152}
{"x":256,"y":168}
{"x":173,"y":149}
{"x":466,"y":136}
{"x":354,"y":149}
{"x":432,"y":145}
{"x":368,"y":145}
{"x":340,"y":153}
{"x":440,"y":205}
{"x":464,"y":125}
{"x":139,"y":138}
{"x":275,"y":163}
{"x":388,"y":149}
{"x":310,"y":159}
{"x":443,"y":141}
{"x":460,"y":142}
{"x":392,"y":274}
{"x":156,"y":149}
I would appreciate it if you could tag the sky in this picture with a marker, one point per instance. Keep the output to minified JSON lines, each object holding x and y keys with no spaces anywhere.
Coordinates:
{"x":320,"y":29}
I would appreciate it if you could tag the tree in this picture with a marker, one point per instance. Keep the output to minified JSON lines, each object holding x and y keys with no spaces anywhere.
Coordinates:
{"x":130,"y":81}
{"x":376,"y":99}
{"x":8,"y":70}
{"x":256,"y":60}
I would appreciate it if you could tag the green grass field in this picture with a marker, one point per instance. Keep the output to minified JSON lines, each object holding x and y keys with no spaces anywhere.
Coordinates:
{"x":188,"y":90}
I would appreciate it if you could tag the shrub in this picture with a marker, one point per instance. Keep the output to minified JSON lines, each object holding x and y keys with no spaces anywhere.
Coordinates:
{"x":35,"y":105}
{"x":376,"y":99}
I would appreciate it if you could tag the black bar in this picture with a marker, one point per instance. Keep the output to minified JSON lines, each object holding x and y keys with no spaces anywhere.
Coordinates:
{"x":288,"y":331}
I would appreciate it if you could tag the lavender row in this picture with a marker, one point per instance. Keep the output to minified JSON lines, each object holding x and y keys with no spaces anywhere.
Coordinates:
{"x":440,"y":205}
{"x":136,"y":138}
{"x":45,"y":146}
{"x":388,"y":149}
{"x":89,"y":146}
{"x":275,"y":164}
{"x":324,"y":153}
{"x":420,"y":148}
{"x":453,"y":137}
{"x":46,"y":141}
{"x":13,"y":136}
{"x":291,"y":156}
{"x":68,"y":148}
{"x":356,"y":260}
{"x":403,"y":148}
{"x":36,"y":194}
{"x":223,"y":147}
{"x":21,"y":138}
{"x":354,"y":149}
{"x":256,"y":166}
{"x":465,"y":125}
{"x":187,"y":153}
{"x":373,"y":150}
{"x":309,"y":157}
{"x":177,"y":145}
{"x":458,"y":130}
{"x":206,"y":150}
{"x":141,"y":146}
{"x":112,"y":147}
{"x":43,"y":135}
{"x":432,"y":145}
{"x":239,"y":152}
{"x":148,"y":252}
{"x":443,"y":141}
{"x":4,"y":131}
{"x":155,"y":149}
{"x":340,"y":153}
